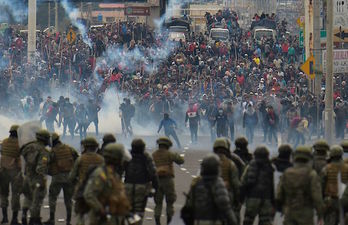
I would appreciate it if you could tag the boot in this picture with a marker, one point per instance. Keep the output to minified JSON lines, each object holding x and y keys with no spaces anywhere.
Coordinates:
{"x":158,"y":220}
{"x":50,"y":221}
{"x":24,"y":217}
{"x":14,"y":220}
{"x":68,"y":217}
{"x":35,"y":221}
{"x":169,"y":219}
{"x":4,"y":216}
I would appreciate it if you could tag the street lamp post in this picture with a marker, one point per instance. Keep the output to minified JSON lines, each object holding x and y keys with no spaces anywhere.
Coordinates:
{"x":31,"y":31}
{"x":329,"y":72}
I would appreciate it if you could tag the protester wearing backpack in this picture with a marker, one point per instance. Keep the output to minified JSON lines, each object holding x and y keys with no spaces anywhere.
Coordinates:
{"x":104,"y":193}
{"x":61,"y":162}
{"x":208,"y":201}
{"x":140,"y":177}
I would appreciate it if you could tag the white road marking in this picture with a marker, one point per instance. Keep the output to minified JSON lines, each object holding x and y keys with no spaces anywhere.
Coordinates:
{"x":148,"y":210}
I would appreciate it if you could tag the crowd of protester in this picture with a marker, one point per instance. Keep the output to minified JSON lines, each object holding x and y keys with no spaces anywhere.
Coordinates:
{"x":256,"y":85}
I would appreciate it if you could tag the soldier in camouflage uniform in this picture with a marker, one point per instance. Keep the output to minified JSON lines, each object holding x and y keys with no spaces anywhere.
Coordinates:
{"x":330,"y":184}
{"x":105,"y":193}
{"x":299,"y":191}
{"x":11,"y":175}
{"x":229,"y":172}
{"x":36,"y":157}
{"x":209,"y":197}
{"x":258,"y":188}
{"x":107,"y":139}
{"x":87,"y":160}
{"x":62,"y":158}
{"x":236,"y":159}
{"x":164,"y":159}
{"x":140,"y":177}
{"x":321,"y":148}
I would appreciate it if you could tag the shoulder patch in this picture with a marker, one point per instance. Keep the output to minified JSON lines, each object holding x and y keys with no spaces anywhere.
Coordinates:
{"x":103,"y":176}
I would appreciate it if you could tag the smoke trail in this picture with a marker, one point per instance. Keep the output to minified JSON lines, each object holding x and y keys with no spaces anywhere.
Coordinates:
{"x":152,"y":57}
{"x":13,"y":11}
{"x":73,"y":13}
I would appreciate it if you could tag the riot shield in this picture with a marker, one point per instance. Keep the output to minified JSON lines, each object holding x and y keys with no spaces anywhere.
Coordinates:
{"x":27,"y":132}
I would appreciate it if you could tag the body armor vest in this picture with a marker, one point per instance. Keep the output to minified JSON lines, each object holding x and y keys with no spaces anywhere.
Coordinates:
{"x":331,"y":188}
{"x":87,"y":160}
{"x":10,"y":154}
{"x":63,"y":159}
{"x":297,"y":187}
{"x":163,"y":162}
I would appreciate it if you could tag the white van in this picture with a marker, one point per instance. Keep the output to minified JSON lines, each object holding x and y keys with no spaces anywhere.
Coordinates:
{"x":219,"y":34}
{"x":260,"y":33}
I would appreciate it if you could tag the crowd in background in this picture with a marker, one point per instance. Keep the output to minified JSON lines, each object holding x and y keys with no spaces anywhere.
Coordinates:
{"x":255,"y":84}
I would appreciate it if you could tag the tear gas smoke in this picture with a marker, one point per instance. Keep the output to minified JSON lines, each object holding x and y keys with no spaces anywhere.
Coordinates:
{"x":13,"y":11}
{"x":73,"y":13}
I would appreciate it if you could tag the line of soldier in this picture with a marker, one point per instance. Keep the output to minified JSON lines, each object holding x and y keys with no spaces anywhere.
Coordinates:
{"x":311,"y":181}
{"x":92,"y":179}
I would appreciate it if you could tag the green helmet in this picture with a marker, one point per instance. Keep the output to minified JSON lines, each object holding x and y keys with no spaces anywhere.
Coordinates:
{"x":261,"y":152}
{"x":55,"y":136}
{"x":336,"y":151}
{"x":241,"y":142}
{"x":90,"y":142}
{"x":138,"y":143}
{"x":14,"y":128}
{"x":228,"y":142}
{"x":109,"y":138}
{"x":164,"y":141}
{"x":116,"y":152}
{"x":210,"y":165}
{"x":303,"y":152}
{"x":221,"y":143}
{"x":344,"y":145}
{"x":43,"y":135}
{"x":284,"y":151}
{"x":321,"y":145}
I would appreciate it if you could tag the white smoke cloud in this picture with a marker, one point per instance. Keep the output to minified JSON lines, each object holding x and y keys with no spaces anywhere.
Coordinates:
{"x":73,"y":14}
{"x":13,"y":11}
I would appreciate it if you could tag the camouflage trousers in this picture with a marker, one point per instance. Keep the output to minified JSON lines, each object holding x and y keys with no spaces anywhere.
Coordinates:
{"x":54,"y":190}
{"x":303,"y":216}
{"x":332,"y":214}
{"x":165,"y":190}
{"x":137,"y":195}
{"x":34,"y":190}
{"x":14,"y":179}
{"x":261,"y":207}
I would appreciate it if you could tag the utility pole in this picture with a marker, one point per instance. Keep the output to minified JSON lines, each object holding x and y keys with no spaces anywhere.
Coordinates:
{"x":49,"y":14}
{"x":329,"y":73}
{"x":31,"y":31}
{"x":317,"y":57}
{"x":56,"y":15}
